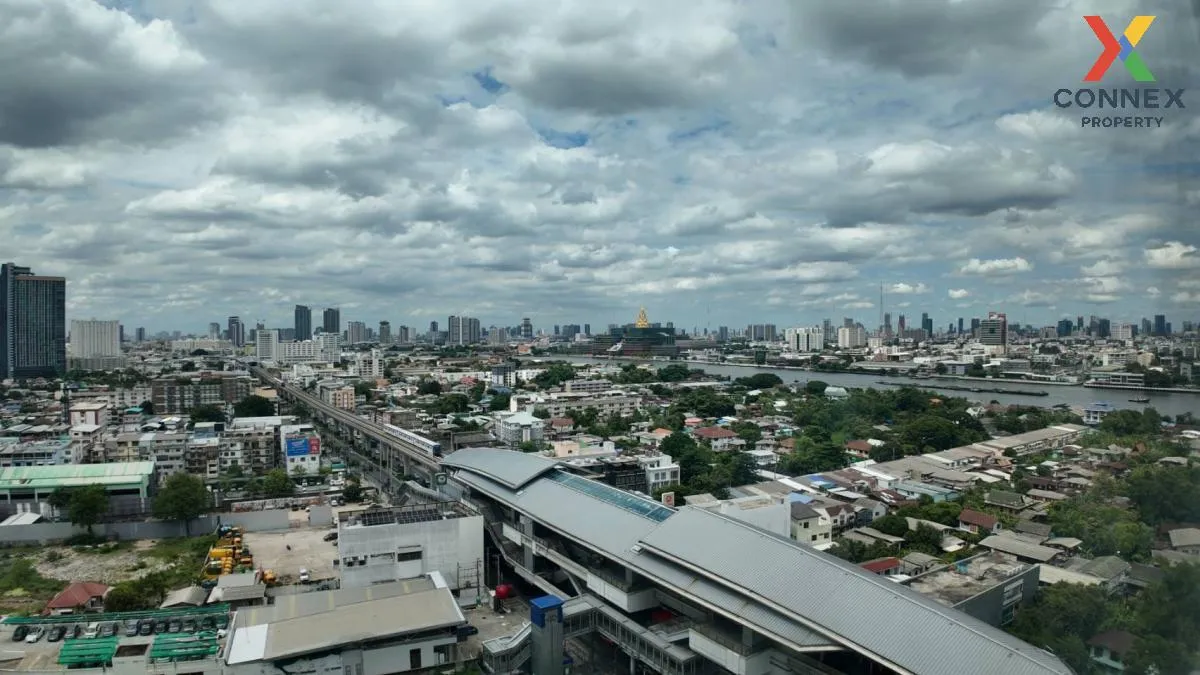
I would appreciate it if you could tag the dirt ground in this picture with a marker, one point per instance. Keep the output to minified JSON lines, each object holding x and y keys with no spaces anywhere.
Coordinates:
{"x":61,"y":562}
{"x":308,"y":551}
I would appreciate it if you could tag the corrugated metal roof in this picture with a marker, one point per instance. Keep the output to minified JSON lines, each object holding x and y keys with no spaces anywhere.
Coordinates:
{"x":116,"y":473}
{"x":510,"y":469}
{"x":613,"y":531}
{"x":902,"y":627}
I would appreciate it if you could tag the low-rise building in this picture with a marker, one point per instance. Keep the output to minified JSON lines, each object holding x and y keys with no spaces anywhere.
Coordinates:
{"x":988,"y":586}
{"x":520,"y":427}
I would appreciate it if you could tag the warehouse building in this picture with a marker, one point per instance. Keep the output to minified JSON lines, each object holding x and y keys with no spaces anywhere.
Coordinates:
{"x":27,"y":488}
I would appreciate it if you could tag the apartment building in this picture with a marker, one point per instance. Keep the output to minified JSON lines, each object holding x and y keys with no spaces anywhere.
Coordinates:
{"x":803,"y":340}
{"x":520,"y":427}
{"x":369,"y":365}
{"x":172,"y":395}
{"x":559,"y":406}
{"x":40,"y":453}
{"x":95,"y":413}
{"x":851,"y":337}
{"x":337,"y":394}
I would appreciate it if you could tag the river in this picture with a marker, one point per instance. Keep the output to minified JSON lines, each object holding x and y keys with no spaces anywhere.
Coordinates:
{"x":1074,"y":396}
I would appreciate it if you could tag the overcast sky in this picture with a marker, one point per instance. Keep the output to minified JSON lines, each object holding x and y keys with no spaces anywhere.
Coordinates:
{"x":720,"y":162}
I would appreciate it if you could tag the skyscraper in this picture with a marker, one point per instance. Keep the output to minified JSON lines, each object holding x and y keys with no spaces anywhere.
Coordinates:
{"x":1160,"y":324}
{"x":94,"y":338}
{"x":993,"y":331}
{"x":237,"y":331}
{"x":332,"y":322}
{"x":357,"y":332}
{"x":33,"y":324}
{"x":385,"y":333}
{"x":303,"y":322}
{"x":527,"y":328}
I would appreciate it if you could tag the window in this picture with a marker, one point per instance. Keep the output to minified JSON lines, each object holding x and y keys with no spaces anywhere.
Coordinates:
{"x":414,"y":659}
{"x":806,"y":524}
{"x":408,"y":556}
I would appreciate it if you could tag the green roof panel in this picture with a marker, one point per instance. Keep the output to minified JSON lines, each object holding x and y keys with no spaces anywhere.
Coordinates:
{"x":68,"y":475}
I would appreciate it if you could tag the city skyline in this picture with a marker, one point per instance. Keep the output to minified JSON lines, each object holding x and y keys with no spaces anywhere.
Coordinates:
{"x":446,"y":161}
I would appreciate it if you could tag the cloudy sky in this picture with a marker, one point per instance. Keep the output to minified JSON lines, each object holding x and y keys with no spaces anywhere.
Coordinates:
{"x":720,"y":162}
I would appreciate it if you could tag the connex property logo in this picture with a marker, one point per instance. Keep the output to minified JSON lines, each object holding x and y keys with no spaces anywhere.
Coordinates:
{"x":1120,"y":99}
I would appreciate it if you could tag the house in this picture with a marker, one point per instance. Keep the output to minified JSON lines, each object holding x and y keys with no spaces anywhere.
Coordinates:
{"x":1032,"y":529}
{"x":81,"y":596}
{"x":810,"y":527}
{"x":978,"y":522}
{"x":1108,"y":650}
{"x":1185,"y":540}
{"x":1007,"y":501}
{"x":859,"y":449}
{"x":721,"y":440}
{"x":885,"y":567}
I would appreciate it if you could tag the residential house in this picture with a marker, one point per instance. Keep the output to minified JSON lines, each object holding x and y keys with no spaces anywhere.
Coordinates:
{"x":1007,"y":501}
{"x":867,"y":510}
{"x":840,"y":516}
{"x":720,"y":439}
{"x":977,"y":522}
{"x":1108,"y":650}
{"x":1108,"y":568}
{"x":1046,"y":496}
{"x":1185,"y":540}
{"x":81,"y":596}
{"x":884,"y":567}
{"x":810,"y":527}
{"x":858,"y":449}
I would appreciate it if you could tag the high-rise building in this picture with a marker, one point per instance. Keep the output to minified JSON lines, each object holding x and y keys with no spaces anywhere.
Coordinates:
{"x":404,"y":335}
{"x":140,"y":334}
{"x":332,"y":321}
{"x":33,"y":324}
{"x":927,"y":324}
{"x":237,"y":331}
{"x":95,"y":338}
{"x":993,"y":331}
{"x":385,"y":333}
{"x":303,"y":322}
{"x":851,"y":337}
{"x":960,"y":325}
{"x":1160,"y":324}
{"x":214,"y":330}
{"x":887,"y":323}
{"x":1064,"y":327}
{"x":810,"y":339}
{"x":266,"y":343}
{"x":587,"y":329}
{"x":526,"y":329}
{"x":356,"y":332}
{"x":974,"y":327}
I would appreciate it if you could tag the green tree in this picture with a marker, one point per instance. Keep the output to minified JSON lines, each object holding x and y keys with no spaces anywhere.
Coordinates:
{"x":541,"y":413}
{"x":429,"y":387}
{"x":183,"y":497}
{"x":364,"y":389}
{"x":254,"y":406}
{"x":499,"y":402}
{"x":815,"y":387}
{"x":87,"y":506}
{"x":554,"y":375}
{"x":747,"y":431}
{"x":277,"y":483}
{"x":352,"y":492}
{"x":207,"y":412}
{"x":759,"y":381}
{"x":147,"y":407}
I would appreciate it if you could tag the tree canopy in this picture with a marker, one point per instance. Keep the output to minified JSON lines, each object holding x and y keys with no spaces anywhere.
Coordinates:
{"x":182,"y":497}
{"x":207,"y":412}
{"x":277,"y":483}
{"x":87,"y":505}
{"x":254,"y":406}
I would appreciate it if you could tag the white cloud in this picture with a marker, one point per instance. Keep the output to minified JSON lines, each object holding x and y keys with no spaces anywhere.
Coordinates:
{"x":1173,"y":255}
{"x":998,"y":267}
{"x":571,"y":162}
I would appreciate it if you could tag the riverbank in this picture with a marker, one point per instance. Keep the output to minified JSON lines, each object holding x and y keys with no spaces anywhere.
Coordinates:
{"x":1167,"y":403}
{"x":1134,"y":387}
{"x":974,"y":390}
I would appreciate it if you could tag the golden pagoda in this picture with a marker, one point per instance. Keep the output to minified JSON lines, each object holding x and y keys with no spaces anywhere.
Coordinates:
{"x":642,"y":320}
{"x":640,"y":338}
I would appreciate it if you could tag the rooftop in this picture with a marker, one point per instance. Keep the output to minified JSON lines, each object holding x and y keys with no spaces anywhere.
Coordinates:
{"x":401,"y":515}
{"x":748,"y":575}
{"x":314,"y":622}
{"x":953,"y":584}
{"x":72,"y":475}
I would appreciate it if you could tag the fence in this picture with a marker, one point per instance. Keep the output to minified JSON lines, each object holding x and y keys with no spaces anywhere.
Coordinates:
{"x":270,"y":504}
{"x":46,"y":533}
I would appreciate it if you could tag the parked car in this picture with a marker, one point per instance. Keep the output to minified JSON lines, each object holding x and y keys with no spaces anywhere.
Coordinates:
{"x":56,"y":633}
{"x":332,"y":536}
{"x":304,"y":576}
{"x":160,"y":626}
{"x":108,"y":629}
{"x":92,"y":630}
{"x":189,"y":625}
{"x":19,"y":633}
{"x":174,"y":626}
{"x":35,"y":634}
{"x":75,"y":631}
{"x":131,"y":628}
{"x":146,"y":627}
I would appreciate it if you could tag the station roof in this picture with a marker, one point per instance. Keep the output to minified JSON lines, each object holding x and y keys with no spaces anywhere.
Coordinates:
{"x":508,"y":468}
{"x":751,"y":576}
{"x":74,"y":475}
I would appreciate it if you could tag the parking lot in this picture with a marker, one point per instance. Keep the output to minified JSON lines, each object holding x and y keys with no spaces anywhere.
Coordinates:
{"x":308,"y":551}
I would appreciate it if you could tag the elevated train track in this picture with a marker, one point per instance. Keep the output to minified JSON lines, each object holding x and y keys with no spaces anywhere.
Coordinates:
{"x":395,"y":451}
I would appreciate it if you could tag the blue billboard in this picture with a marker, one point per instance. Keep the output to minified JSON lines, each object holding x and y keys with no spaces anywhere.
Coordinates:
{"x":297,"y":446}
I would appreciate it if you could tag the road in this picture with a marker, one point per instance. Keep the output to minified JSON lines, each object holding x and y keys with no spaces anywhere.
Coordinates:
{"x":394,"y":451}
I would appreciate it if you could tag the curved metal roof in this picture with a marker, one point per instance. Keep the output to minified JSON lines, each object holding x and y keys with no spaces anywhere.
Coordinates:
{"x":511,"y":469}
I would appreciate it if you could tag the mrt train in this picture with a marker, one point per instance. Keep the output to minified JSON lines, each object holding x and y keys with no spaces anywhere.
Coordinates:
{"x":433,"y":448}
